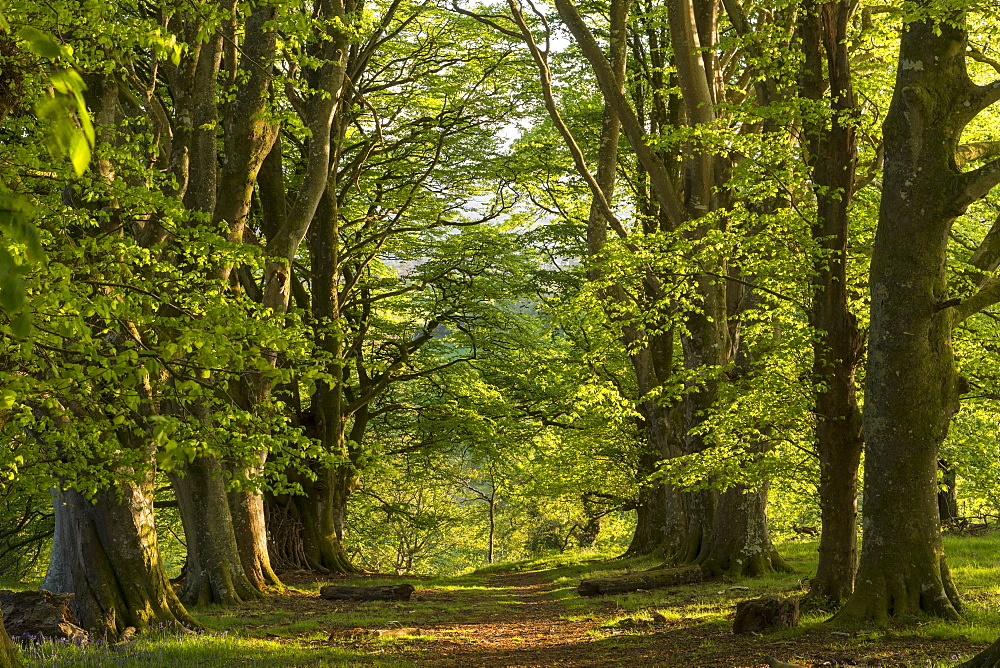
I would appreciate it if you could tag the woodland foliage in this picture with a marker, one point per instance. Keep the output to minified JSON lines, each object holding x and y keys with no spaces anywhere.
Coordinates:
{"x":481,"y":279}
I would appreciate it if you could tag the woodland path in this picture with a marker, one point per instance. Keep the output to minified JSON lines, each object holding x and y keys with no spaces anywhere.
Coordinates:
{"x":526,"y":619}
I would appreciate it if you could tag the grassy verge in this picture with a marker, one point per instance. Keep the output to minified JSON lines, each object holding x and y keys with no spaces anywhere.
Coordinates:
{"x":294,"y":628}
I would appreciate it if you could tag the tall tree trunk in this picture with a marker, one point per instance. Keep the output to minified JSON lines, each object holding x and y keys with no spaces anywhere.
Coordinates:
{"x":315,"y":197}
{"x":911,"y":387}
{"x":705,"y":353}
{"x":214,"y":572}
{"x":249,"y":526}
{"x":837,"y":345}
{"x":706,"y":348}
{"x":325,"y":503}
{"x":660,"y":516}
{"x":652,"y":513}
{"x":740,"y":544}
{"x":105,"y":552}
{"x":248,"y":137}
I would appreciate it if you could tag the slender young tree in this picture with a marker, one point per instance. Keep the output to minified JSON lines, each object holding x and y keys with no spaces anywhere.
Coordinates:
{"x":832,"y":146}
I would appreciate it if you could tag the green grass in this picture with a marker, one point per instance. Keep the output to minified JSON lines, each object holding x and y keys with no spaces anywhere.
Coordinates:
{"x":582,"y":559}
{"x":255,"y":634}
{"x":202,"y":650}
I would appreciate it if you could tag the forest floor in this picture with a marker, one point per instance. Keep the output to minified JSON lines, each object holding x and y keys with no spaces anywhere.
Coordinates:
{"x":529,"y":614}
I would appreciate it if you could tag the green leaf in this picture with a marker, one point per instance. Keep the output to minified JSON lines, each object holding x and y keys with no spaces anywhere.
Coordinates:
{"x":40,"y":43}
{"x":21,"y":325}
{"x":79,"y":153}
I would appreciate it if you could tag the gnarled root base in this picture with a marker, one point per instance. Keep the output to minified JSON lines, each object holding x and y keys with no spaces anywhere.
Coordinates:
{"x":744,"y":565}
{"x":878,"y":598}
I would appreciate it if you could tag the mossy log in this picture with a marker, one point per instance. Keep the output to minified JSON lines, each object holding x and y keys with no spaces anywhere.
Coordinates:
{"x":665,"y":577}
{"x":41,"y":613}
{"x":400,"y":592}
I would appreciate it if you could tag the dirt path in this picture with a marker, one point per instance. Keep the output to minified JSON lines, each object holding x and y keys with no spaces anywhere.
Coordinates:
{"x":521,"y":628}
{"x":519,"y":621}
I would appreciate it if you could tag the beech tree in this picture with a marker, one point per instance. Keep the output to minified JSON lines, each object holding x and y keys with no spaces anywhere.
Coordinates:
{"x":685,"y":200}
{"x":911,"y":387}
{"x":406,"y":174}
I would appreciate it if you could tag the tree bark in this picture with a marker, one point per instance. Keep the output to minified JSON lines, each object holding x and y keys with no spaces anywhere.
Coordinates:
{"x":250,"y":530}
{"x":651,"y":520}
{"x":214,"y":573}
{"x":911,"y":387}
{"x":836,"y":349}
{"x":321,"y":512}
{"x":105,"y":552}
{"x":740,"y":542}
{"x":947,"y":497}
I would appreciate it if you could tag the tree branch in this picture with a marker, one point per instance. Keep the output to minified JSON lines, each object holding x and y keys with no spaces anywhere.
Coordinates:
{"x":984,"y":96}
{"x":975,"y":184}
{"x":550,"y":104}
{"x":988,"y":295}
{"x":987,"y":256}
{"x":978,"y":55}
{"x":663,"y":186}
{"x":977,"y":152}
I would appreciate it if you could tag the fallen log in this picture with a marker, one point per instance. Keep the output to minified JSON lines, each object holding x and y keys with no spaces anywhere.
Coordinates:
{"x":664,"y":577}
{"x":377,"y":633}
{"x":400,"y":592}
{"x":32,"y":615}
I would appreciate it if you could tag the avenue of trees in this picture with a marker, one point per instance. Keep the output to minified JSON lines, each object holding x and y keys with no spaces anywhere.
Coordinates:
{"x":343,"y":285}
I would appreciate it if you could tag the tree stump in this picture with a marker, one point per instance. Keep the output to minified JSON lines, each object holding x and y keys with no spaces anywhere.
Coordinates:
{"x":30,"y":614}
{"x":665,"y":577}
{"x":400,"y":592}
{"x":769,"y":613}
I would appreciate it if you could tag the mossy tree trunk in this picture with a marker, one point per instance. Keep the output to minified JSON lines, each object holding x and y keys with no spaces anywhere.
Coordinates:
{"x":911,"y":387}
{"x":681,"y":187}
{"x":832,"y":146}
{"x":9,"y":657}
{"x":104,"y":551}
{"x":214,"y":573}
{"x":740,"y":542}
{"x":321,"y":512}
